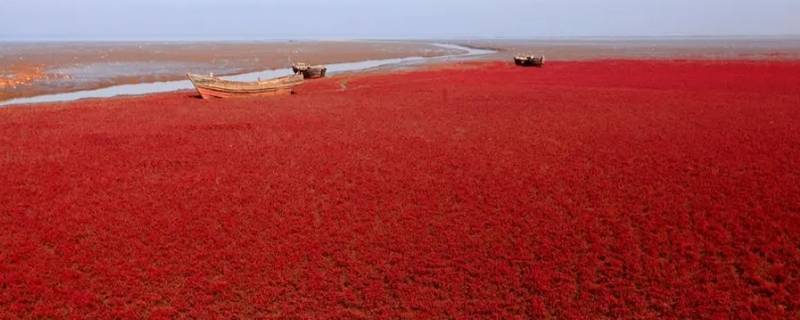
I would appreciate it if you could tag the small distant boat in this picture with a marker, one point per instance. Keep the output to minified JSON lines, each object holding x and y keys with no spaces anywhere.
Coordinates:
{"x":309,"y":71}
{"x":213,"y":87}
{"x":529,"y":61}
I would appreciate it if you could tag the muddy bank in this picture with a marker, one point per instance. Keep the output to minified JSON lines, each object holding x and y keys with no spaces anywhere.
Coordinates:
{"x":29,"y":69}
{"x":657,"y":48}
{"x":464,"y":53}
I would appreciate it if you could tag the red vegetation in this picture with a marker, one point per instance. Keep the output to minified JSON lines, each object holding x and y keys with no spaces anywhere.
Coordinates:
{"x":581,"y":190}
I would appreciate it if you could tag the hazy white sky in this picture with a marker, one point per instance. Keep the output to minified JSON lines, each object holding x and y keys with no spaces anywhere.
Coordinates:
{"x":252,"y":19}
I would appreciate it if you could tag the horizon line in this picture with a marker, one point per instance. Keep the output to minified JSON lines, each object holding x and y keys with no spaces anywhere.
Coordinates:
{"x":55,"y":38}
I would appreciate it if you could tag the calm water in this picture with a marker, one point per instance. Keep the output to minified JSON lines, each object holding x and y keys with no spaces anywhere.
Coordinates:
{"x":168,"y":86}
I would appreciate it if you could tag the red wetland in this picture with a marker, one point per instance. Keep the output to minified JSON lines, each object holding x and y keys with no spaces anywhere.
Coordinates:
{"x":583,"y":190}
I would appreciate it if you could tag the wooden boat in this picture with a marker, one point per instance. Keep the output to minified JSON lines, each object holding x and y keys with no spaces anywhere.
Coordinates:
{"x":300,"y":67}
{"x":529,"y":61}
{"x":315,"y":72}
{"x":213,"y":87}
{"x":310,"y":71}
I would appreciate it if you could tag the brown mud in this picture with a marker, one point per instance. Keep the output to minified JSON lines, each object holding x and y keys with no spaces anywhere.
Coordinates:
{"x":29,"y":69}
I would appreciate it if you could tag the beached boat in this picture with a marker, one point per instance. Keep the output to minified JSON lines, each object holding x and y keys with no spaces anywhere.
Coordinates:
{"x":310,"y":71}
{"x":300,"y":67}
{"x":315,"y":72}
{"x":210,"y":86}
{"x":529,"y":61}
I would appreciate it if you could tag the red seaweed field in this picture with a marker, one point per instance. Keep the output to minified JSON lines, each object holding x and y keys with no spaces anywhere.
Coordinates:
{"x":582,"y":190}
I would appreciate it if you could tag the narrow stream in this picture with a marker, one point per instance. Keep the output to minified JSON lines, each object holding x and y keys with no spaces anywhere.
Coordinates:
{"x":169,"y":86}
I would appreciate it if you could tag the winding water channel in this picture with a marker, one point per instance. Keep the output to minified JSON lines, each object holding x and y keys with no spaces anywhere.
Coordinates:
{"x":169,"y":86}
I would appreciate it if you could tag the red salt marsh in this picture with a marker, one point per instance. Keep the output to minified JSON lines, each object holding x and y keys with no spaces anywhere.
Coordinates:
{"x":600,"y":189}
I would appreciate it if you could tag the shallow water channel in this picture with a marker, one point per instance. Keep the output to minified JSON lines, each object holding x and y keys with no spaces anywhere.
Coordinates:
{"x":169,"y":86}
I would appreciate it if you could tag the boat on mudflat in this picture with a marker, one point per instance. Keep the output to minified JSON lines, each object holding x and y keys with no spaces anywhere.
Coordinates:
{"x":300,"y":67}
{"x":529,"y":61}
{"x":213,"y":87}
{"x":310,"y":71}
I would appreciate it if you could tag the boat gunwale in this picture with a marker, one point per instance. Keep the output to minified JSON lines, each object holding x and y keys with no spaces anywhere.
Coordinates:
{"x":217,"y":84}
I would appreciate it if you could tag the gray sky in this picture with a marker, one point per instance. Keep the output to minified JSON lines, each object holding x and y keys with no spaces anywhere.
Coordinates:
{"x":273,"y":19}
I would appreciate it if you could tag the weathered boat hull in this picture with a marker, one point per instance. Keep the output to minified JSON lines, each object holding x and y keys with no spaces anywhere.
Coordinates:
{"x":211,"y":87}
{"x":299,"y":67}
{"x":207,"y":93}
{"x":315,"y":72}
{"x":529,"y":61}
{"x":309,"y":71}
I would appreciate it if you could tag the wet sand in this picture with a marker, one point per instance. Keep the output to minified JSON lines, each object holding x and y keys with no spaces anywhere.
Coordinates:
{"x":29,"y":69}
{"x":787,"y":48}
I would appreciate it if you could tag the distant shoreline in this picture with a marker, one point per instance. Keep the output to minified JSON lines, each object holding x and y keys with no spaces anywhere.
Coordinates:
{"x":181,"y":39}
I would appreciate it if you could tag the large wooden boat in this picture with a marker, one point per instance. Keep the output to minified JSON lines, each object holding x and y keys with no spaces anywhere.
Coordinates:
{"x":213,"y":87}
{"x":309,"y":71}
{"x":529,"y":61}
